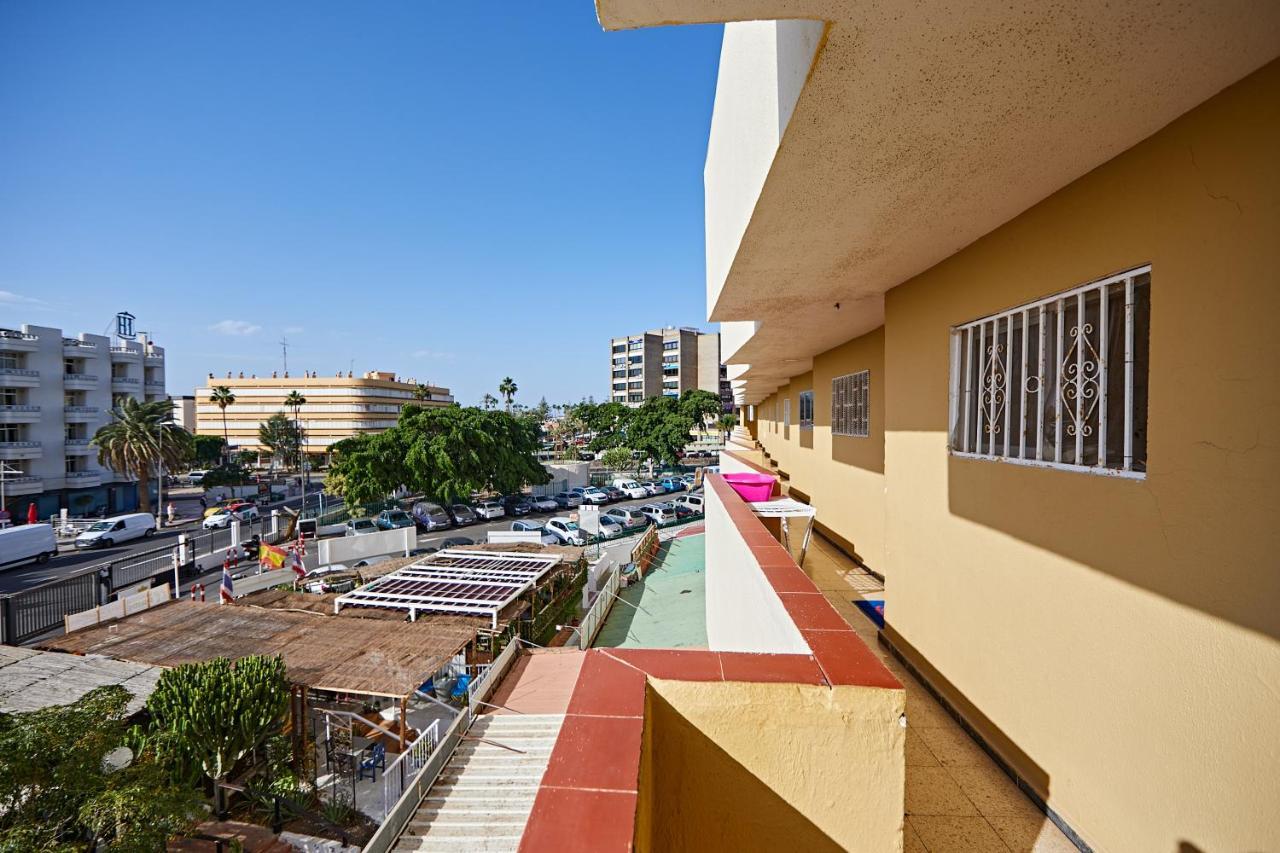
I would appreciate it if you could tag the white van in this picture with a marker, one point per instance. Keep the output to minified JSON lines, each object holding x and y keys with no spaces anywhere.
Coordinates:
{"x":27,"y":542}
{"x":117,"y":529}
{"x":630,"y":488}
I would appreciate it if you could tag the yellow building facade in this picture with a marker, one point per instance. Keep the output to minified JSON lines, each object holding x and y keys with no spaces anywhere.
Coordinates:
{"x":336,"y":407}
{"x":914,"y":324}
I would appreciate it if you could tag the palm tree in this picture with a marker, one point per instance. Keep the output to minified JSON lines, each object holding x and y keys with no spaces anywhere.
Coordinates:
{"x":488,"y":401}
{"x":421,"y":392}
{"x":222,"y":397}
{"x":294,"y":400}
{"x":139,"y":436}
{"x":507,"y":388}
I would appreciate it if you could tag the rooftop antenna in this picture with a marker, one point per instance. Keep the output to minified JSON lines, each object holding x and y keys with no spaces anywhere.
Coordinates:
{"x":284,"y":351}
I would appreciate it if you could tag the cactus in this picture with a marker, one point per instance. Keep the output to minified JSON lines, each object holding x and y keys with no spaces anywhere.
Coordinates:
{"x":214,"y":713}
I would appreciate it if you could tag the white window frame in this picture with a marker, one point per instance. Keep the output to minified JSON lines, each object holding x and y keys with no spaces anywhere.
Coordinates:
{"x":806,"y":422}
{"x":786,"y":412}
{"x":851,"y":405}
{"x":983,"y":417}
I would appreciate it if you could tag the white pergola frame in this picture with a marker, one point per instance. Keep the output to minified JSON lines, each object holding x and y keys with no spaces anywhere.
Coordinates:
{"x":508,"y":574}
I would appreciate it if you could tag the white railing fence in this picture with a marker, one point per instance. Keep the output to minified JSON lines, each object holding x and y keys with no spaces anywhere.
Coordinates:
{"x":407,"y":765}
{"x":599,"y":610}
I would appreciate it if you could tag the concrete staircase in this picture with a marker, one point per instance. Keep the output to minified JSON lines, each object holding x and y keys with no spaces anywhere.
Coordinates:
{"x":483,"y":797}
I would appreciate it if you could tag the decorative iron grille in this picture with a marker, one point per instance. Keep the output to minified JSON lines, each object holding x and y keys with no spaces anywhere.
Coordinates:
{"x":851,"y":404}
{"x":1060,"y":382}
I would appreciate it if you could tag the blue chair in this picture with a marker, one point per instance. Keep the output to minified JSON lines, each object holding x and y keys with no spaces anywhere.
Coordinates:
{"x":376,"y":761}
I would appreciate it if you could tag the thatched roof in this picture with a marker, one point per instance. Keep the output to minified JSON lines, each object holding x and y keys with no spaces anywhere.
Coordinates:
{"x":31,"y":680}
{"x":349,"y":655}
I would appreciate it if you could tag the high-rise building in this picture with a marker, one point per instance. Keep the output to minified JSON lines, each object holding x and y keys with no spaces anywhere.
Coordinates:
{"x":336,"y":407}
{"x":55,"y":392}
{"x":666,"y":362}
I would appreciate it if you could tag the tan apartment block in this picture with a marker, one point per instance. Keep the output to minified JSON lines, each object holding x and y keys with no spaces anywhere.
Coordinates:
{"x":997,"y":290}
{"x":336,"y":407}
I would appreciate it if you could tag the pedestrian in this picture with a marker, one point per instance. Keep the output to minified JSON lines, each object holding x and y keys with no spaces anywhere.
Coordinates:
{"x":169,"y":513}
{"x":203,"y":504}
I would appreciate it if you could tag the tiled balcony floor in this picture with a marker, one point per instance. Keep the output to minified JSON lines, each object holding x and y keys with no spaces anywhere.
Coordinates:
{"x":958,"y":800}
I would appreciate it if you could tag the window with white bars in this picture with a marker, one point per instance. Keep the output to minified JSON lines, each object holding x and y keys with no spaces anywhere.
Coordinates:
{"x":1060,"y":382}
{"x":806,"y":410}
{"x":851,"y":404}
{"x":786,"y":412}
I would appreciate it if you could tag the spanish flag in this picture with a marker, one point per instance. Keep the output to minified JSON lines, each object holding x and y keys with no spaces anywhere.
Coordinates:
{"x":271,"y":556}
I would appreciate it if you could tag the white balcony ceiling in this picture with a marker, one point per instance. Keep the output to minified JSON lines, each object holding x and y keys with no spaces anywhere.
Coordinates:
{"x":923,"y":126}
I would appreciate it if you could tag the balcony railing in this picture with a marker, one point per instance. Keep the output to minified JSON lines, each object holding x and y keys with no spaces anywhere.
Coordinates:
{"x":83,"y":475}
{"x":18,"y":445}
{"x":79,"y":377}
{"x":18,"y":371}
{"x":77,"y":442}
{"x":24,"y":408}
{"x":126,"y":351}
{"x":154,"y":356}
{"x":80,"y":410}
{"x":125,"y":380}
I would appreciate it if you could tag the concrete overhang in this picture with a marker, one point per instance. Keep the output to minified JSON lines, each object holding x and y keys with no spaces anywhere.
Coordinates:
{"x":921,"y":127}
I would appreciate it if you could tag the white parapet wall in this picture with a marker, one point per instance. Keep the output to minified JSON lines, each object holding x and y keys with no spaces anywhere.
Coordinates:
{"x":744,"y":614}
{"x":347,"y":549}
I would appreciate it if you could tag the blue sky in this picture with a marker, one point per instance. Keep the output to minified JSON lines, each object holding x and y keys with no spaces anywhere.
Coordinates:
{"x":456,"y":192}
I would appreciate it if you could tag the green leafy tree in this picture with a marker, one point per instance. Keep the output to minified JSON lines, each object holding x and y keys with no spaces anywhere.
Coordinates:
{"x":702,"y":407}
{"x":58,"y":792}
{"x":508,"y":388}
{"x":209,"y":450}
{"x":230,"y":474}
{"x":448,"y":453}
{"x":609,"y":422}
{"x":488,"y":401}
{"x":421,"y":392}
{"x":210,"y":715}
{"x":139,"y":437}
{"x":295,"y":401}
{"x":725,"y":423}
{"x":616,"y":458}
{"x":661,"y":427}
{"x":222,"y":397}
{"x":280,"y":435}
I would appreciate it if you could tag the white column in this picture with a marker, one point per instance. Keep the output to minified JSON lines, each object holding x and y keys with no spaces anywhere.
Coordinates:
{"x":235,"y":532}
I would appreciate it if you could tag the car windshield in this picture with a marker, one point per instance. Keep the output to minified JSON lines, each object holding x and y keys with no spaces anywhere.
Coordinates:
{"x":461,"y":508}
{"x":101,"y":525}
{"x":571,"y":525}
{"x":397,"y":516}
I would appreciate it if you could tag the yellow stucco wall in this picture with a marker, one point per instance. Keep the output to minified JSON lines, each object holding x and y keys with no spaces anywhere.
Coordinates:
{"x":1123,"y":634}
{"x":769,"y":767}
{"x":843,"y":476}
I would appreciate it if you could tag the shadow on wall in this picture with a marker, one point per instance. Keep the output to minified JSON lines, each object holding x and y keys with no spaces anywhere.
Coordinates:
{"x":1129,"y":530}
{"x":700,"y":798}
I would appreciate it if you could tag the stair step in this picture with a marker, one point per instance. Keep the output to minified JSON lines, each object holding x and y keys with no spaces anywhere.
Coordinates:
{"x":477,"y":843}
{"x":420,"y":823}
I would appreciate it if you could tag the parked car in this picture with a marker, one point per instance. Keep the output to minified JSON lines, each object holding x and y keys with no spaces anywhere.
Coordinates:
{"x":27,"y":542}
{"x":594,"y":496}
{"x":545,"y":503}
{"x":610,"y":527}
{"x":490,"y":510}
{"x":360,"y":526}
{"x":614,"y":493}
{"x":517,"y":505}
{"x":566,"y":531}
{"x":223,"y":517}
{"x":653,"y":489}
{"x":693,"y":503}
{"x":393,"y":519}
{"x":672,"y":484}
{"x":658,"y":514}
{"x":628,"y":517}
{"x":548,"y":538}
{"x":117,"y":529}
{"x":463,"y":515}
{"x":455,"y":541}
{"x":430,"y":516}
{"x":679,"y":509}
{"x":223,"y":505}
{"x":568,"y":500}
{"x":192,"y":478}
{"x":630,"y":488}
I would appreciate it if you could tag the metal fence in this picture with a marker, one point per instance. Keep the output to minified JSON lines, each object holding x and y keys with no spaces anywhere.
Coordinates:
{"x":599,"y":611}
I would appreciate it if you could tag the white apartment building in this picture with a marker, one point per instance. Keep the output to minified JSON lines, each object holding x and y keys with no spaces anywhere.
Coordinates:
{"x":666,"y":362}
{"x":55,"y":392}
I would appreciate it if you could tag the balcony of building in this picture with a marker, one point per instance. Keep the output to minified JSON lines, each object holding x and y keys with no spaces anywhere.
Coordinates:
{"x":80,"y":414}
{"x":77,"y":447}
{"x":129,"y":384}
{"x":79,"y":381}
{"x":83,"y":479}
{"x":21,"y":484}
{"x":19,"y":414}
{"x":74,"y":348}
{"x":11,"y":450}
{"x":126,"y":355}
{"x":19,"y":377}
{"x":153,"y":358}
{"x":11,"y":340}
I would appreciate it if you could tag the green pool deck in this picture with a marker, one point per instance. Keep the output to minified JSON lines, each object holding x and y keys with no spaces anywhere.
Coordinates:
{"x":668,"y":609}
